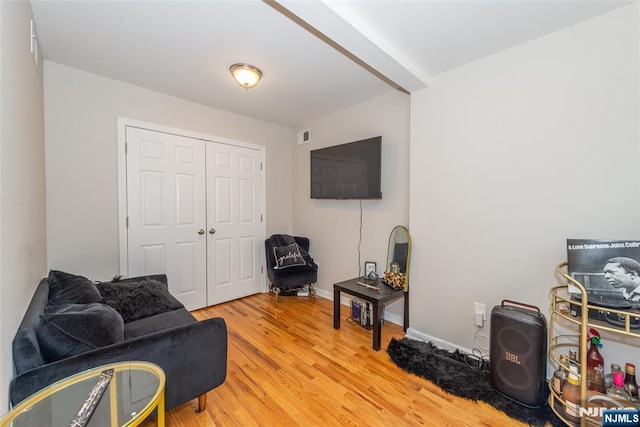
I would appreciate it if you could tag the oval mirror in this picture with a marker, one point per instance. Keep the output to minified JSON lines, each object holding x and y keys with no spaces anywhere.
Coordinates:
{"x":399,"y":252}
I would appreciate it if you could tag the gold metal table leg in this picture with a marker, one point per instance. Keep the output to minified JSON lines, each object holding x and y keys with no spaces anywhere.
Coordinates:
{"x":113,"y":399}
{"x":161,"y":410}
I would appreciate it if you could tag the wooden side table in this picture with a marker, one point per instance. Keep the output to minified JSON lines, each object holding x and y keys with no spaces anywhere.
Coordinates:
{"x":378,"y":299}
{"x":135,"y":390}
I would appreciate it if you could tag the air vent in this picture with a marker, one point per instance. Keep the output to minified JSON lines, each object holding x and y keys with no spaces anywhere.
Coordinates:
{"x":304,"y":136}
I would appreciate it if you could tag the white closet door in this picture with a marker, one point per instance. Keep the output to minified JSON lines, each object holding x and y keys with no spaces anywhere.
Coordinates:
{"x":167,"y":211}
{"x":235,"y":233}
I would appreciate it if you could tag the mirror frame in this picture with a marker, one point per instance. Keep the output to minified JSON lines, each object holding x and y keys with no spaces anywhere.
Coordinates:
{"x":390,"y":257}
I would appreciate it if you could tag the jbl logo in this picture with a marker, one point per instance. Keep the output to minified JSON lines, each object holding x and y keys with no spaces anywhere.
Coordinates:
{"x":513,"y":358}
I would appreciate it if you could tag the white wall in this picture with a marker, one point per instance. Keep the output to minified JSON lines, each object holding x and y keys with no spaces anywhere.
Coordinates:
{"x":22,"y":183}
{"x":334,"y":225}
{"x":513,"y":154}
{"x":81,"y":110}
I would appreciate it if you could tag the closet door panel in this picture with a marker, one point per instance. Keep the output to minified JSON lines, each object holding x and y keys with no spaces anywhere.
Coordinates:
{"x":234,"y":208}
{"x":166,"y":211}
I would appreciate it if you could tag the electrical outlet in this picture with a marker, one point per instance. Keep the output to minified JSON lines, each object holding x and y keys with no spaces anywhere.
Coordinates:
{"x":480,"y":313}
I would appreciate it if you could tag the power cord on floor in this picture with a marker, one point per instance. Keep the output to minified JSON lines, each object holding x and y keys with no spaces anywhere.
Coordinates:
{"x":477,"y":359}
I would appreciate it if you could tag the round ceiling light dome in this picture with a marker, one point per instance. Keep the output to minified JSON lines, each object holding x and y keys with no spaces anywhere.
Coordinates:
{"x":246,"y":75}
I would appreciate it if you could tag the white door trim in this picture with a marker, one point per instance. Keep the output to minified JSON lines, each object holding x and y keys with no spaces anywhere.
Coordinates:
{"x":122,"y":123}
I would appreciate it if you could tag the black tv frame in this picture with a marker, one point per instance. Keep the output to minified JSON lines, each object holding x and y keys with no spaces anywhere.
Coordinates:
{"x":354,"y":185}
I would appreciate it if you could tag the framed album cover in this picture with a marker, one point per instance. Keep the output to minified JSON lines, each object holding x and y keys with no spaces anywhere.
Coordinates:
{"x":605,"y":268}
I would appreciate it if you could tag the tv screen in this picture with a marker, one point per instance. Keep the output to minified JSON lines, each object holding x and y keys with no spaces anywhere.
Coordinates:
{"x":348,"y":171}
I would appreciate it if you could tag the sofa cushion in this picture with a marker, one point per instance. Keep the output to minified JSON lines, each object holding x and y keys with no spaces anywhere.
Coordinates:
{"x":288,"y":256}
{"x":69,"y":329}
{"x":66,"y":288}
{"x":137,"y":300}
{"x":158,"y":323}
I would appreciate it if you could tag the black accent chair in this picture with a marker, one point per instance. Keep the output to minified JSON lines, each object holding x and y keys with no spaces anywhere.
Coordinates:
{"x":295,"y":277}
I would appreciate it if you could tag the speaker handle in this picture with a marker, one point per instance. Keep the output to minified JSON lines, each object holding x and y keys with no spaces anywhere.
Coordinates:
{"x":532,"y":307}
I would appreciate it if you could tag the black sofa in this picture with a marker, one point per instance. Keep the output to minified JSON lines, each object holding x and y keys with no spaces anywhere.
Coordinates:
{"x":193,"y":354}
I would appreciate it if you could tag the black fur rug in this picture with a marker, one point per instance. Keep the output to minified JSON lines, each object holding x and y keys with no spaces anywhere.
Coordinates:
{"x":464,"y":376}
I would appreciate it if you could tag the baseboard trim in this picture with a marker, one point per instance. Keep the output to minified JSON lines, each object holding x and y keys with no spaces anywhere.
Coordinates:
{"x":438,"y":342}
{"x":399,"y":320}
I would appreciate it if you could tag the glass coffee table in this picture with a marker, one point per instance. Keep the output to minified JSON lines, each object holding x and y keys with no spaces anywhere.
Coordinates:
{"x":134,"y":391}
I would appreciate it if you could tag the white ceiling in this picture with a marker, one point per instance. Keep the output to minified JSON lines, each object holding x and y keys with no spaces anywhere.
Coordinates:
{"x":184,"y":48}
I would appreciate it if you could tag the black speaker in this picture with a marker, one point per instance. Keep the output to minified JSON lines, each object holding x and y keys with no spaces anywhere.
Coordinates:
{"x":518,"y":353}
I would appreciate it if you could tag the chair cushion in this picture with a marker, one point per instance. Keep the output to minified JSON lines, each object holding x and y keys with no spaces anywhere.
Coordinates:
{"x":66,"y":288}
{"x":69,"y":329}
{"x":137,"y":300}
{"x":288,"y":256}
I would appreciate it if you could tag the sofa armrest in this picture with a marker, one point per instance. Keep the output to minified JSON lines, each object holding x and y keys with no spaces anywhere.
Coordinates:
{"x":193,"y":357}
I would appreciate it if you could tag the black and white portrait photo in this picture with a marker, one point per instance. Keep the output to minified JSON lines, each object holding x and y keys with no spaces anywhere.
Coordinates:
{"x":608,"y":268}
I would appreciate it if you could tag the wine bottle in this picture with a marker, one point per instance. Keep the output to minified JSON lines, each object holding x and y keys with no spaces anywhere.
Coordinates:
{"x":573,"y":356}
{"x":617,"y":388}
{"x":571,"y":395}
{"x":608,"y":378}
{"x":630,"y":385}
{"x":560,"y":375}
{"x":595,"y":369}
{"x":595,"y":366}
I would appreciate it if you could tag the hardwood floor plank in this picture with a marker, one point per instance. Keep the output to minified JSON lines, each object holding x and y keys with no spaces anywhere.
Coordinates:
{"x":287,"y":366}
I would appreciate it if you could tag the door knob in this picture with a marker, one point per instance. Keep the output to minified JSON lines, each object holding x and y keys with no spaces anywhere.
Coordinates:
{"x":212,"y":230}
{"x":201,"y":231}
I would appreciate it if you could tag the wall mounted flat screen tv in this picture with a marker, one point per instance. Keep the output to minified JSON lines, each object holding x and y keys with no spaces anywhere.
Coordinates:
{"x":348,"y":171}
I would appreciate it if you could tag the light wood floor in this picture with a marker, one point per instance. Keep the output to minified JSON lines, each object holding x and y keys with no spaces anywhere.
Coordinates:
{"x":287,"y":366}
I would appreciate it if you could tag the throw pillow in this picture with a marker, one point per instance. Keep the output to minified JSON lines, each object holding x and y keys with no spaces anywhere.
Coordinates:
{"x":66,"y":288}
{"x":288,"y":256}
{"x":137,"y":300}
{"x":70,"y":329}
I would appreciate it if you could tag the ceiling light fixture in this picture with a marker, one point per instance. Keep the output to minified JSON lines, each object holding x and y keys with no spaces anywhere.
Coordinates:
{"x":246,"y":75}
